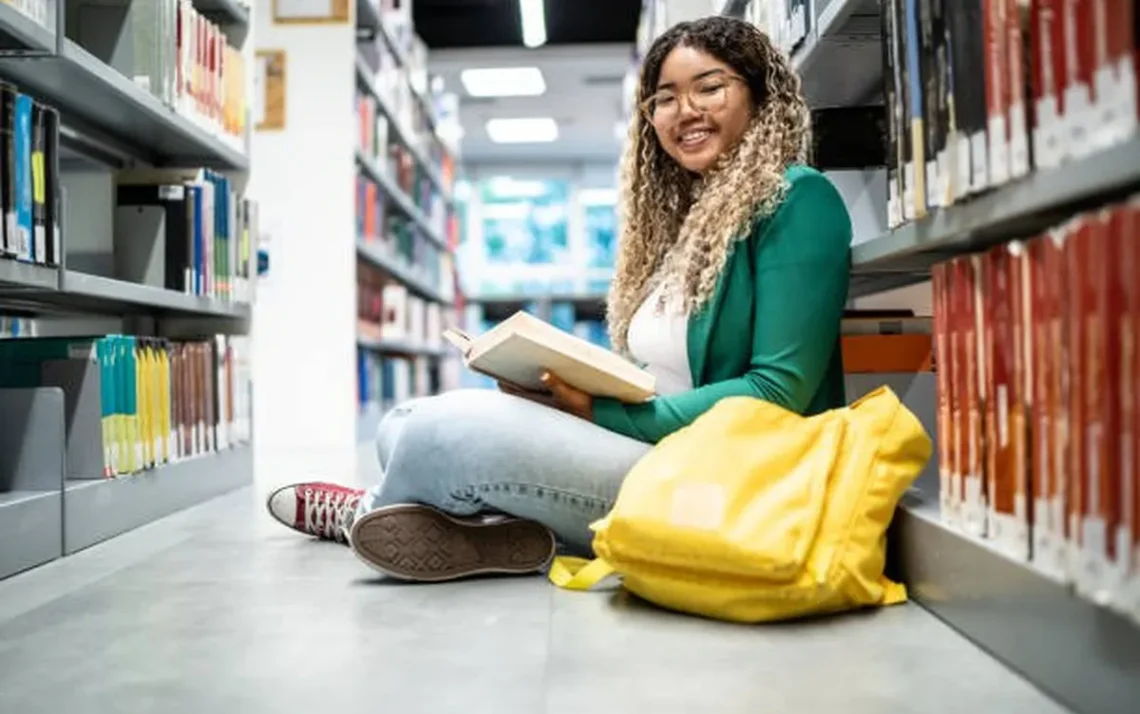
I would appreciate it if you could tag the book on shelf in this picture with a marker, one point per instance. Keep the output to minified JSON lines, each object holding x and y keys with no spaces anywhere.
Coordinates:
{"x":982,"y":92}
{"x":174,"y":53}
{"x":1038,"y":375}
{"x":522,"y":347}
{"x":206,"y":231}
{"x":29,"y":179}
{"x":135,"y":403}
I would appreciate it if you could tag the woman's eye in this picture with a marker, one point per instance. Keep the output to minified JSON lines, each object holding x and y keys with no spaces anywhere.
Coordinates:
{"x":710,"y":88}
{"x":664,"y":101}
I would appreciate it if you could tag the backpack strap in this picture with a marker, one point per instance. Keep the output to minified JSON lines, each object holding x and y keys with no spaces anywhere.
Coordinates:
{"x":578,"y":573}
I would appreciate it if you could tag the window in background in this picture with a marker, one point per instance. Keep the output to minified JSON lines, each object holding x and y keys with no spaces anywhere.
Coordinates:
{"x":525,"y":222}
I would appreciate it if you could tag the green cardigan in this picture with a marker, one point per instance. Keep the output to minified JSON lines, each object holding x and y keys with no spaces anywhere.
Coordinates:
{"x":771,"y":329}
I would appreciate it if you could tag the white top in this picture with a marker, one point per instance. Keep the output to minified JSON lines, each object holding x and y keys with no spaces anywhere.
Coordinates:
{"x":659,"y":340}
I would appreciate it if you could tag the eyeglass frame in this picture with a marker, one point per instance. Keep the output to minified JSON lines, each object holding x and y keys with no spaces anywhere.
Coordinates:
{"x":643,"y":106}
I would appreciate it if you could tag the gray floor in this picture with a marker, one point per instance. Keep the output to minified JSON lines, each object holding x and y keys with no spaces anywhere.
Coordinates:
{"x":216,"y":610}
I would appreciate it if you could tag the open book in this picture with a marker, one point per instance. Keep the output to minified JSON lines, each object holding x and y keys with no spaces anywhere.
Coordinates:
{"x":519,"y":349}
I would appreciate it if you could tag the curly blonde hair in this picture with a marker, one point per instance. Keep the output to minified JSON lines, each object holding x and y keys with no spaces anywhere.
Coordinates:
{"x":677,"y":228}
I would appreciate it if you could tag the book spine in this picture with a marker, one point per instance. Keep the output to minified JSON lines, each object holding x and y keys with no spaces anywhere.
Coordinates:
{"x":997,"y":91}
{"x":1081,"y":304}
{"x":998,"y":374}
{"x":1042,"y":380}
{"x":1077,"y":27}
{"x":1103,"y":82}
{"x":948,"y":128}
{"x":1048,"y":76}
{"x":942,"y":370}
{"x":956,"y":324}
{"x":931,"y":90}
{"x":915,"y":180}
{"x":894,"y":114}
{"x":1017,"y":49}
{"x":1021,"y":398}
{"x":1121,"y":92}
{"x":22,"y":152}
{"x":976,"y":395}
{"x":1129,"y":597}
{"x":1062,"y":357}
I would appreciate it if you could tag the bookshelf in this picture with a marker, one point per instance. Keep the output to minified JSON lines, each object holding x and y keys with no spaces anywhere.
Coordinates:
{"x":75,"y":282}
{"x":1067,"y":627}
{"x":407,"y":285}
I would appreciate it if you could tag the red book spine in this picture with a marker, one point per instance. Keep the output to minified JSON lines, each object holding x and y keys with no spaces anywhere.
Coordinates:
{"x":1048,"y":64}
{"x":997,"y":90}
{"x":1017,"y":26}
{"x":942,"y":370}
{"x":1079,"y":66}
{"x":999,"y":372}
{"x":1082,"y":305}
{"x":974,"y":483}
{"x":1041,"y":437}
{"x":1130,"y":388}
{"x":956,"y":324}
{"x":1060,"y":357}
{"x":1021,"y":396}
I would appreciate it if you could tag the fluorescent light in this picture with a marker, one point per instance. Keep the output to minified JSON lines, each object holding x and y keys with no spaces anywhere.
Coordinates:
{"x":507,"y":187}
{"x":522,"y":131}
{"x":598,"y":197}
{"x":533,"y":16}
{"x":503,"y":82}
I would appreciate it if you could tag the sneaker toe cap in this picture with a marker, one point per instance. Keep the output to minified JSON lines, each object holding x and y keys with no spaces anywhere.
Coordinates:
{"x":282,"y":505}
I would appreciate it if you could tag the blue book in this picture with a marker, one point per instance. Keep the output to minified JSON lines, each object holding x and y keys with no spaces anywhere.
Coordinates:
{"x":22,"y":155}
{"x":916,"y":169}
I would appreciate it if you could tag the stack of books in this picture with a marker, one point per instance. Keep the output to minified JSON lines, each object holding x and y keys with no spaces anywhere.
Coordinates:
{"x":29,"y":179}
{"x":982,"y":92}
{"x":1038,"y":371}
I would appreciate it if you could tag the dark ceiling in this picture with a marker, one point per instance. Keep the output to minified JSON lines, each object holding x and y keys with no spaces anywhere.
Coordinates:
{"x":495,"y":23}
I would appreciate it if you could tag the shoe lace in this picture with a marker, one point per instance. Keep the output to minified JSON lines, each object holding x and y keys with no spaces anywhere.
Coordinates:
{"x":328,"y":513}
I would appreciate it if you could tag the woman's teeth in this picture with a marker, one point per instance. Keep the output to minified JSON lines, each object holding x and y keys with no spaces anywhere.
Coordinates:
{"x":694,"y":137}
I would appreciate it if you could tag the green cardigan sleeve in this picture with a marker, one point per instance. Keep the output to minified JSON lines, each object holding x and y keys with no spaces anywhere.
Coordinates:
{"x":802,"y":265}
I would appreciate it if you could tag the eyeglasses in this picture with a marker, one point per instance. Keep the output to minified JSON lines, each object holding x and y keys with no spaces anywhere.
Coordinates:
{"x":708,"y":94}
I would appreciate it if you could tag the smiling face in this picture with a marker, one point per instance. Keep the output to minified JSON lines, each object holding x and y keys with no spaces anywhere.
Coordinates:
{"x":700,"y":109}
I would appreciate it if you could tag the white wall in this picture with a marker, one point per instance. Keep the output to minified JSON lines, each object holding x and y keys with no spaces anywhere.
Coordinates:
{"x":305,"y":319}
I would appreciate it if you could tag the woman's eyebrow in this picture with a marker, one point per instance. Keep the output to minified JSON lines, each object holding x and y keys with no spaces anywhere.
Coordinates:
{"x":694,"y":78}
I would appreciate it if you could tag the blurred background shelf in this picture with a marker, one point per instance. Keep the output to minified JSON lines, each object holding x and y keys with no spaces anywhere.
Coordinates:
{"x":387,"y":345}
{"x":400,"y":198}
{"x":399,"y":272}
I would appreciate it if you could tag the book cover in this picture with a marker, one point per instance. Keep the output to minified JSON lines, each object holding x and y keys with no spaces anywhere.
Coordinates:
{"x":8,"y":241}
{"x":949,"y":187}
{"x":1106,"y":102}
{"x":1123,"y":33}
{"x":1048,"y":64}
{"x":997,"y":90}
{"x":969,"y":44}
{"x":972,"y":394}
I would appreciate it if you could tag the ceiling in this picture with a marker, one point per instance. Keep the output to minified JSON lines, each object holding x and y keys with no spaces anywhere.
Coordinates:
{"x":446,"y":24}
{"x":583,"y":95}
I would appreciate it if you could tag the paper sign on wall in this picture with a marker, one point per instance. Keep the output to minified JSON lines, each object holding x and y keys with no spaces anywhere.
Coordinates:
{"x":269,"y":97}
{"x":310,"y":11}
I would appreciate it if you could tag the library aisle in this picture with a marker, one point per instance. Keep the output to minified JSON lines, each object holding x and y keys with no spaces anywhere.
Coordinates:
{"x":214,"y":609}
{"x":233,"y":237}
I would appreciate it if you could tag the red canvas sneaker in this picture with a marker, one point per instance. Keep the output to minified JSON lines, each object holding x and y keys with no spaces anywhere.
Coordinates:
{"x":323,"y":510}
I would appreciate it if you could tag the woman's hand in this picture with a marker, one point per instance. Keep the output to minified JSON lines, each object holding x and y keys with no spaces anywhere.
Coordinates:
{"x":562,"y":396}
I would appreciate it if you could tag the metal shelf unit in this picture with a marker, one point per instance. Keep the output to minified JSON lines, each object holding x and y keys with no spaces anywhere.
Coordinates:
{"x":31,"y":529}
{"x":95,"y":510}
{"x":1020,"y":209}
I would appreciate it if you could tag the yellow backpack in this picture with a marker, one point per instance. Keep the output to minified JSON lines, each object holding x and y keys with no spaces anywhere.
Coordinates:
{"x":754,"y":513}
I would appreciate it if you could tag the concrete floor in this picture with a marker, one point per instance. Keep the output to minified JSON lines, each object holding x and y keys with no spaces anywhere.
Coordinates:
{"x":217,"y":610}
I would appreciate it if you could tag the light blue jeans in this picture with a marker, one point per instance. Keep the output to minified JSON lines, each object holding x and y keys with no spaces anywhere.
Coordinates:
{"x":470,"y":452}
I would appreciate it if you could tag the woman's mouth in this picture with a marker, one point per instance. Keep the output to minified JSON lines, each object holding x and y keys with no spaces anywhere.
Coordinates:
{"x":694,"y":139}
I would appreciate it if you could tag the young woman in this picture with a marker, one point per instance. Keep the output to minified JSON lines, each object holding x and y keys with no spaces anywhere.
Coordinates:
{"x":731,"y":281}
